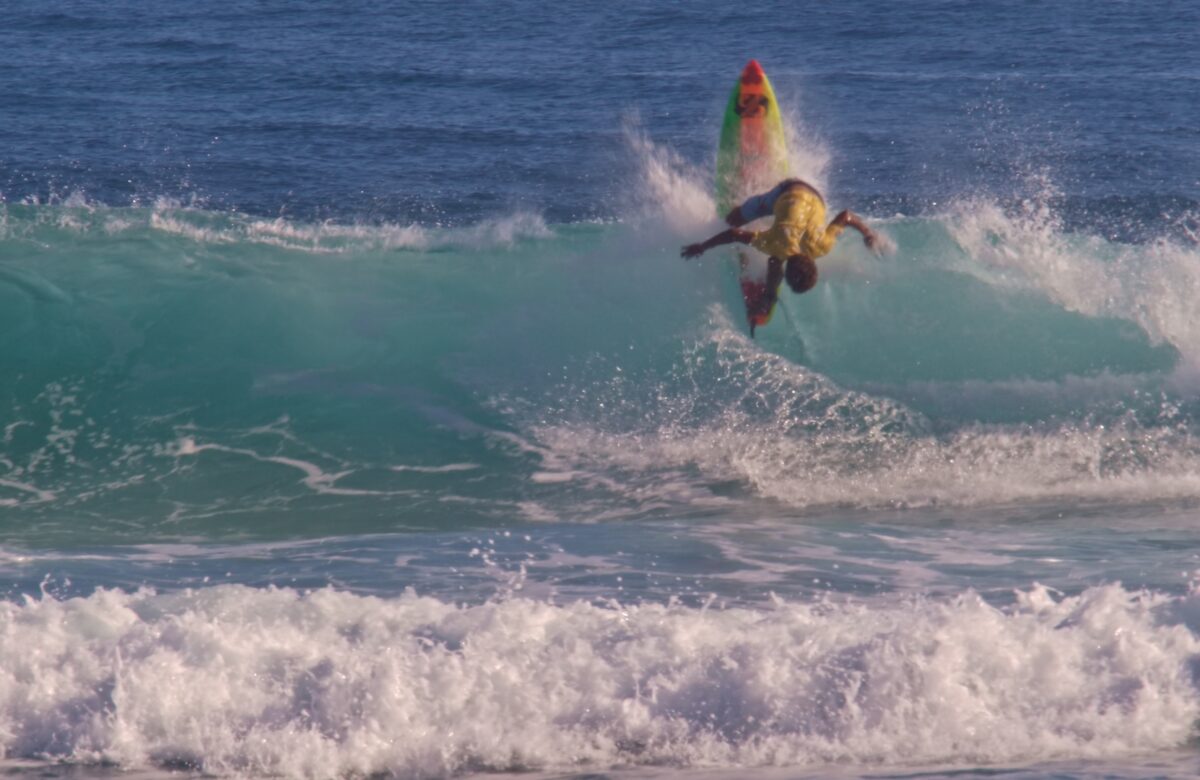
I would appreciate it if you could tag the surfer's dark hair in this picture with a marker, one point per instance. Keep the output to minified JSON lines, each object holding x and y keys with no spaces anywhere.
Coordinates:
{"x":801,"y":273}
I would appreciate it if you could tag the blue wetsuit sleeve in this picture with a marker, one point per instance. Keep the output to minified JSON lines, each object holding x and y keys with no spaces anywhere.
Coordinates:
{"x":759,"y":206}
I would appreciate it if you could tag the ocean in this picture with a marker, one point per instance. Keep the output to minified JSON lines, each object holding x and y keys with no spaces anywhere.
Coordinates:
{"x":359,"y":418}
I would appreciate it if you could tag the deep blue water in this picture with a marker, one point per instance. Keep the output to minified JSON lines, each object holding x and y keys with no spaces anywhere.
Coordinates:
{"x":321,"y":110}
{"x":358,"y":417}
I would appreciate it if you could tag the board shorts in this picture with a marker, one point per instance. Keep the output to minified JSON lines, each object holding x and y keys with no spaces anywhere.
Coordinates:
{"x":759,"y":206}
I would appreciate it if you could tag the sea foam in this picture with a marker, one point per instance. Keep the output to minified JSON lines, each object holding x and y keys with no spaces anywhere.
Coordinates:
{"x":231,"y":679}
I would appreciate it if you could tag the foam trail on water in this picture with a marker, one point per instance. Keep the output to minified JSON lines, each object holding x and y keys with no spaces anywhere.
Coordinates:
{"x":315,"y":478}
{"x":38,"y":494}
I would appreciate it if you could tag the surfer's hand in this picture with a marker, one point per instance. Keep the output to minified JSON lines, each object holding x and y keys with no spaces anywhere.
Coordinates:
{"x":692,"y":250}
{"x":880,"y":244}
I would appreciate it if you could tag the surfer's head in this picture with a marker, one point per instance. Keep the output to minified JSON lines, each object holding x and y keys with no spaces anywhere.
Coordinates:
{"x":801,"y":273}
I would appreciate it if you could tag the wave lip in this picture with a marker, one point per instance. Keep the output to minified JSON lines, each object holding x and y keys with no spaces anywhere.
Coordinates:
{"x":77,"y":218}
{"x":231,"y":679}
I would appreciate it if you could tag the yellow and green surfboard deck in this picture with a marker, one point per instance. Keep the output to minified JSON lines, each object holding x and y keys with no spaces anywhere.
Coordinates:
{"x":752,"y":158}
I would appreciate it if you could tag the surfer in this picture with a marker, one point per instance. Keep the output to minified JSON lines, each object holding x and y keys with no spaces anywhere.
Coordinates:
{"x":794,"y":241}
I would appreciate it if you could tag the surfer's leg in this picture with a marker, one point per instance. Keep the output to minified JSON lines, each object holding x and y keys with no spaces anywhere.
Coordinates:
{"x":759,"y":206}
{"x":759,"y":296}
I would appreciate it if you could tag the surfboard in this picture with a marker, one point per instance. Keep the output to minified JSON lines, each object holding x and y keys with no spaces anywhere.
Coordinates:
{"x":752,"y":157}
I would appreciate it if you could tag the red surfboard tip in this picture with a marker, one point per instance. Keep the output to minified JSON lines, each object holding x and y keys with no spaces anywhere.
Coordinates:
{"x":752,"y":73}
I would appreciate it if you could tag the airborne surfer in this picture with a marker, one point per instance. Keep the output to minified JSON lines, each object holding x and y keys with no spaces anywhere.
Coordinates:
{"x":794,"y":241}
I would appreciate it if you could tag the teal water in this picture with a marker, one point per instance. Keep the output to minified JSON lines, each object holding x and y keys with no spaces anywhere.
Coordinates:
{"x":184,"y":374}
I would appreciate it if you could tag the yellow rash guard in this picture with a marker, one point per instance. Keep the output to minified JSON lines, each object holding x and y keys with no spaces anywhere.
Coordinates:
{"x":799,"y":227}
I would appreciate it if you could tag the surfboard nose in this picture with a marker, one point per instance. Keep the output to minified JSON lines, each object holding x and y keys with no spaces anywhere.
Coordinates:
{"x":752,"y":73}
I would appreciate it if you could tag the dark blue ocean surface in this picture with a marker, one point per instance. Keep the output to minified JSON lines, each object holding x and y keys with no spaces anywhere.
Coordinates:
{"x":417,"y":111}
{"x":358,"y":416}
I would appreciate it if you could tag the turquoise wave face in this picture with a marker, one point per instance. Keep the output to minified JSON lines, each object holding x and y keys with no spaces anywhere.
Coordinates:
{"x":179,"y":373}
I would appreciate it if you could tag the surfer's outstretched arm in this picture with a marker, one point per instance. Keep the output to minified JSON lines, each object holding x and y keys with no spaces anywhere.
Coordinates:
{"x":850,"y":219}
{"x":735,"y":218}
{"x":731,"y":236}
